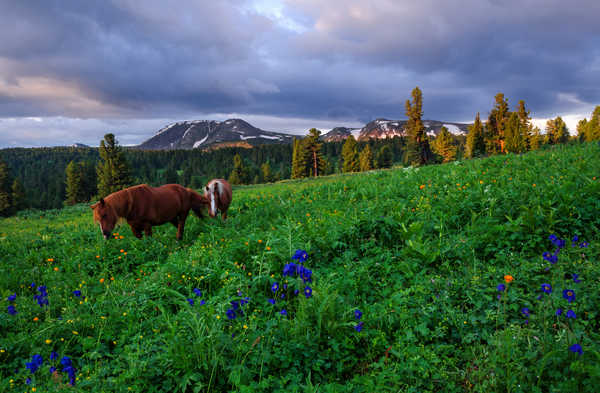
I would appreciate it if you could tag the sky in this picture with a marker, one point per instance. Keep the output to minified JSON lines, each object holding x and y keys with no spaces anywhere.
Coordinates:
{"x":72,"y":71}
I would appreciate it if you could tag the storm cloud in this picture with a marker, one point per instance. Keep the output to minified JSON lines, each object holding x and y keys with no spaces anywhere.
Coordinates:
{"x":71,"y":71}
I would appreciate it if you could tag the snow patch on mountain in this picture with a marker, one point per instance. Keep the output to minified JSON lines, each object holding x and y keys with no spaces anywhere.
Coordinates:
{"x":201,"y":141}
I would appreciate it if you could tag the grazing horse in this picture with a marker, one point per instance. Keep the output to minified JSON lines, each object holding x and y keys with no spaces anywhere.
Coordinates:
{"x":218,"y":193}
{"x":144,"y":207}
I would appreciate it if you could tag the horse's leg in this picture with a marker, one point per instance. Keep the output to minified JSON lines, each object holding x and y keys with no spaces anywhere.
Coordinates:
{"x":224,"y":214}
{"x":181,"y":226}
{"x":136,"y":230}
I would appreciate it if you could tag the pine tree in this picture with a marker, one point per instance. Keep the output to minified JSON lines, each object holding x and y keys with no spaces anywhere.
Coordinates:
{"x":514,"y":138}
{"x":74,"y":182}
{"x":525,"y":124}
{"x":267,"y":175}
{"x":556,"y":131}
{"x":535,"y":139}
{"x":582,"y":128}
{"x":385,"y":157}
{"x":18,"y":196}
{"x":315,"y":158}
{"x":475,"y":145}
{"x":350,"y":155}
{"x":496,"y":124}
{"x":366,"y":158}
{"x":238,"y":174}
{"x":5,"y":190}
{"x":113,"y":170}
{"x":445,"y":146}
{"x":299,"y":162}
{"x":593,"y":126}
{"x":418,"y":150}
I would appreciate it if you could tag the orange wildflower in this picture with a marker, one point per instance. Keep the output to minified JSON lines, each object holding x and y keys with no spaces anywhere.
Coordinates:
{"x":422,"y":186}
{"x":36,"y":319}
{"x":101,"y":280}
{"x":508,"y":278}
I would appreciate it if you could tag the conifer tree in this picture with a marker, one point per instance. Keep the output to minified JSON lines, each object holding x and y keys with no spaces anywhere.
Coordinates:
{"x":496,"y":125}
{"x":5,"y":190}
{"x":385,"y":157}
{"x":593,"y":126}
{"x":18,"y":196}
{"x":445,"y":146}
{"x":535,"y":139}
{"x":366,"y":158}
{"x":525,"y":124}
{"x":74,"y":184}
{"x":418,"y":149}
{"x":113,"y":170}
{"x":350,"y":155}
{"x":238,"y":174}
{"x":299,"y":162}
{"x":475,"y":146}
{"x":514,"y":138}
{"x":582,"y":128}
{"x":315,"y":159}
{"x":267,"y":175}
{"x":556,"y":131}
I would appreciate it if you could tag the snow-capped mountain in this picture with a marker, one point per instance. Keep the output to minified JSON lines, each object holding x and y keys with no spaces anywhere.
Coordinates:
{"x":383,"y":128}
{"x":210,"y":134}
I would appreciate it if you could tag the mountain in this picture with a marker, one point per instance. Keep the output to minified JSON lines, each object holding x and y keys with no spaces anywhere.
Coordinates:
{"x":79,"y":145}
{"x":211,"y":134}
{"x":383,"y":128}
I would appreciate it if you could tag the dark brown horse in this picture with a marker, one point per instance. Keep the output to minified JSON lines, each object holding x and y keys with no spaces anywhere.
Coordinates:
{"x":218,"y":193}
{"x":144,"y":207}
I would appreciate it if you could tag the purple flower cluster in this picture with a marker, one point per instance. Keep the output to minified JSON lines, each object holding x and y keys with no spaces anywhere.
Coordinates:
{"x":37,"y":361}
{"x":69,"y":369}
{"x":237,"y":307}
{"x":358,"y":315}
{"x":198,"y":293}
{"x":42,"y":298}
{"x":11,"y":307}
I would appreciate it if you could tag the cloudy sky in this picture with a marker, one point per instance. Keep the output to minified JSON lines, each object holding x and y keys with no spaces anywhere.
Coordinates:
{"x":71,"y":71}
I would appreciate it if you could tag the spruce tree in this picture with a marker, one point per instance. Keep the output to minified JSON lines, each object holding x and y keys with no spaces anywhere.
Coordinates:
{"x":113,"y":170}
{"x":385,"y":157}
{"x":350,"y":155}
{"x":535,"y":139}
{"x":74,"y":184}
{"x":593,"y":126}
{"x":475,"y":145}
{"x":496,"y":125}
{"x":514,"y":138}
{"x":18,"y":196}
{"x":5,"y":190}
{"x":525,"y":124}
{"x":418,"y":150}
{"x":445,"y":146}
{"x":238,"y":174}
{"x":267,"y":175}
{"x":299,"y":162}
{"x":582,"y":128}
{"x":366,"y":158}
{"x":556,"y":131}
{"x":317,"y":163}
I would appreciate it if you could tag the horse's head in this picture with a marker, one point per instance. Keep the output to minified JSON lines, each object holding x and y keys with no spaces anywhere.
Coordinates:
{"x":105,"y":215}
{"x":211,"y":192}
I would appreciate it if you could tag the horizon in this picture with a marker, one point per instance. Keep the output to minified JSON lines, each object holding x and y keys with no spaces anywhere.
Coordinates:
{"x":70,"y":74}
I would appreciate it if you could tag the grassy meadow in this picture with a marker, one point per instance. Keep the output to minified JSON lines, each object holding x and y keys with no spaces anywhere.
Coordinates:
{"x":414,"y":280}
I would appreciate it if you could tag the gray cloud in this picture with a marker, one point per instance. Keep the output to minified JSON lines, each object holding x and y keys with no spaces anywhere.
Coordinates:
{"x":136,"y":66}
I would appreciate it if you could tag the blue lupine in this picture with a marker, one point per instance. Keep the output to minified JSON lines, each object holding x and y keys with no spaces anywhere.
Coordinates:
{"x":569,"y":294}
{"x":272,"y":301}
{"x":28,"y":381}
{"x":559,"y":311}
{"x":12,"y":310}
{"x":77,"y":293}
{"x":550,"y":258}
{"x":584,"y":244}
{"x":357,"y":314}
{"x":501,"y":287}
{"x":571,"y":314}
{"x":575,"y":277}
{"x":576,"y":348}
{"x":53,"y":355}
{"x":359,"y":326}
{"x":65,"y":361}
{"x":52,"y":369}
{"x":197,"y":292}
{"x":300,"y":256}
{"x":12,"y":297}
{"x":283,"y":312}
{"x":190,"y":301}
{"x":202,"y":302}
{"x":574,"y":241}
{"x":525,"y":311}
{"x":230,"y":314}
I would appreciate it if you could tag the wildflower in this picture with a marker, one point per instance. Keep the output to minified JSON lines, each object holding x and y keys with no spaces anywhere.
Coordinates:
{"x":569,"y":294}
{"x":12,"y":297}
{"x":571,"y":314}
{"x":525,"y":311}
{"x":11,"y":309}
{"x":559,"y":311}
{"x":359,"y":326}
{"x":36,"y":362}
{"x":300,"y":255}
{"x":275,"y":287}
{"x":574,"y":241}
{"x":77,"y":293}
{"x":576,"y":348}
{"x":508,"y":278}
{"x":52,"y":370}
{"x":575,"y":277}
{"x":197,"y":292}
{"x":289,"y":269}
{"x":308,"y":292}
{"x":53,"y":355}
{"x":32,"y":285}
{"x":230,"y":314}
{"x":190,"y":301}
{"x":28,"y":381}
{"x":202,"y":302}
{"x":550,"y":258}
{"x":501,"y":287}
{"x":272,"y":301}
{"x":547,"y":288}
{"x":584,"y":244}
{"x":357,"y":314}
{"x":283,"y":312}
{"x":48,"y":341}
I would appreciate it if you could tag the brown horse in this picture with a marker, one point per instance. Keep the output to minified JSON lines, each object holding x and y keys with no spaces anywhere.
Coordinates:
{"x":218,"y":193}
{"x":144,"y":207}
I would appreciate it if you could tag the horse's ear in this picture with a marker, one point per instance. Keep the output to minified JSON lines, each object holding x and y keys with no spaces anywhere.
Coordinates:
{"x":95,"y":205}
{"x":101,"y":202}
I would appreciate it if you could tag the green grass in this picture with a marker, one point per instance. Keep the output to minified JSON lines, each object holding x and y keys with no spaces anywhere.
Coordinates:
{"x":419,"y":251}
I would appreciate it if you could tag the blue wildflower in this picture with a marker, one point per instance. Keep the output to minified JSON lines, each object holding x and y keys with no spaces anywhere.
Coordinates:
{"x":300,"y":256}
{"x":357,"y":314}
{"x":272,"y":301}
{"x":235,"y":304}
{"x":283,"y":312}
{"x":32,"y":285}
{"x":282,"y":296}
{"x":501,"y":287}
{"x":53,"y":355}
{"x":547,"y":288}
{"x":525,"y":311}
{"x":569,"y":294}
{"x":52,"y":369}
{"x":190,"y":301}
{"x":296,"y":292}
{"x":12,"y":310}
{"x":571,"y":314}
{"x":576,"y":348}
{"x":77,"y":293}
{"x":244,"y":300}
{"x":289,"y":269}
{"x":28,"y":381}
{"x":65,"y":361}
{"x":230,"y":314}
{"x":359,"y":326}
{"x":275,"y":287}
{"x":12,"y":297}
{"x":574,"y":241}
{"x":575,"y":277}
{"x":584,"y":244}
{"x":559,"y":312}
{"x":36,"y":362}
{"x":202,"y":302}
{"x":308,"y":292}
{"x":197,"y":292}
{"x":552,"y":258}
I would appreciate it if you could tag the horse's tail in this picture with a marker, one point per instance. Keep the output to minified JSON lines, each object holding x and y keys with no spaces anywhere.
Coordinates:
{"x":198,"y":202}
